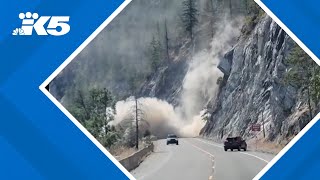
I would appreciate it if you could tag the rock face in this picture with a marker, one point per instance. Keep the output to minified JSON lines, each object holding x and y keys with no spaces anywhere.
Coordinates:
{"x":166,"y":82}
{"x":253,"y":91}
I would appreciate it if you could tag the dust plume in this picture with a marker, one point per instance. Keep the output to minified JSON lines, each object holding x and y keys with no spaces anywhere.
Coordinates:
{"x":199,"y":88}
{"x":160,"y":117}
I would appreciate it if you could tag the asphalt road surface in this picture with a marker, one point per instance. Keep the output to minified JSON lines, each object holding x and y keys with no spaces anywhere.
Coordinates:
{"x":199,"y":159}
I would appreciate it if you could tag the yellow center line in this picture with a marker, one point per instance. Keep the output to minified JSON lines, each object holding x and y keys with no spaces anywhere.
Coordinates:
{"x":206,"y":152}
{"x":200,"y":149}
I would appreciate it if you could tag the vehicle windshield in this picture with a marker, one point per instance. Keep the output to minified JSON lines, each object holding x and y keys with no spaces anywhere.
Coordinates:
{"x":230,"y":139}
{"x":234,"y":139}
{"x":172,"y":136}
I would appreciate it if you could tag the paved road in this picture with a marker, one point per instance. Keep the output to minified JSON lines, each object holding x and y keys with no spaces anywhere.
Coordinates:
{"x":199,"y":159}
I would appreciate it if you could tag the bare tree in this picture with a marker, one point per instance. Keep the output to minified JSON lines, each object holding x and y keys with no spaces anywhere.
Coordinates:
{"x":135,"y":121}
{"x":137,"y":124}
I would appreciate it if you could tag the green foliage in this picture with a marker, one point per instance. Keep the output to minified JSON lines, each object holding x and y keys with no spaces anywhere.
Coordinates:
{"x":130,"y":139}
{"x":134,"y":82}
{"x":304,"y":73}
{"x":219,"y":80}
{"x":206,"y":115}
{"x":110,"y":138}
{"x":91,"y":110}
{"x":253,"y":8}
{"x":155,"y":53}
{"x":189,"y":16}
{"x":301,"y":65}
{"x":315,"y":86}
{"x":254,"y":14}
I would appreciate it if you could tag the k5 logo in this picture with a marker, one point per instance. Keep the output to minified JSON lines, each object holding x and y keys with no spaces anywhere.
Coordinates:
{"x":57,"y":25}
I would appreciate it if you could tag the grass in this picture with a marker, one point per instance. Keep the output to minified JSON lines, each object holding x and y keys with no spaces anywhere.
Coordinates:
{"x":121,"y":151}
{"x":265,"y":146}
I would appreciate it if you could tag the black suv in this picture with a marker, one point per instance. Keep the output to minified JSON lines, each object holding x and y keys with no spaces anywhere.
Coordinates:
{"x":235,"y":143}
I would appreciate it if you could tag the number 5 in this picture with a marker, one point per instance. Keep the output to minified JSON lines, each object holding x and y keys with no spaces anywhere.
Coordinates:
{"x":58,"y":21}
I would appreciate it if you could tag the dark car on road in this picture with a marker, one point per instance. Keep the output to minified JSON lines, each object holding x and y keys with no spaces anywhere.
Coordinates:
{"x":235,"y":143}
{"x":172,"y":139}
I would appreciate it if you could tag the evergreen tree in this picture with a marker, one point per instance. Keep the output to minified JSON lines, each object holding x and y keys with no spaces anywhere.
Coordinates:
{"x":304,"y":73}
{"x":189,"y":16}
{"x":93,"y":111}
{"x":253,"y":8}
{"x":155,"y":53}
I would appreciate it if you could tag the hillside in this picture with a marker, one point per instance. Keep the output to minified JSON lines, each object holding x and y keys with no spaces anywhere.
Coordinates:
{"x":233,"y":71}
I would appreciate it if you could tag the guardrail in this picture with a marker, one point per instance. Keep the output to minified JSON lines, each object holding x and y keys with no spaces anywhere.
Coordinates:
{"x":136,"y":158}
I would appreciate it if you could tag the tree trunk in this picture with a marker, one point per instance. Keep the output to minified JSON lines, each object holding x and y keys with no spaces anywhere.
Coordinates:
{"x":166,"y":40}
{"x":264,"y":132}
{"x":137,"y":125}
{"x":230,"y":7}
{"x":82,"y":103}
{"x":191,"y":24}
{"x":221,"y":134}
{"x":309,"y":102}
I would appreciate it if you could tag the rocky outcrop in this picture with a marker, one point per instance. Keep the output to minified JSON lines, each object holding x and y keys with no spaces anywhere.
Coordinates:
{"x":166,"y":82}
{"x":253,"y":90}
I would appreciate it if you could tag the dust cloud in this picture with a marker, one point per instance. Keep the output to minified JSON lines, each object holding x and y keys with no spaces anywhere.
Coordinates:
{"x":160,"y":117}
{"x":199,"y":89}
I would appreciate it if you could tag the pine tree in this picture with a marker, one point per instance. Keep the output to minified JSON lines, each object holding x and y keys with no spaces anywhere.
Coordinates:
{"x":189,"y":16}
{"x":91,"y":110}
{"x":304,"y":73}
{"x":155,"y":53}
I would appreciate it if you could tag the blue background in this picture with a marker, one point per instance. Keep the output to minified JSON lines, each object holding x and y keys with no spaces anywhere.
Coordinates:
{"x":303,"y":19}
{"x":37,"y":141}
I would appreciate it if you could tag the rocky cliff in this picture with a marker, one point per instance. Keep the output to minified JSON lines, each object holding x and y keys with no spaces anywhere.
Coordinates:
{"x":166,"y":83}
{"x":253,"y":90}
{"x":235,"y":77}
